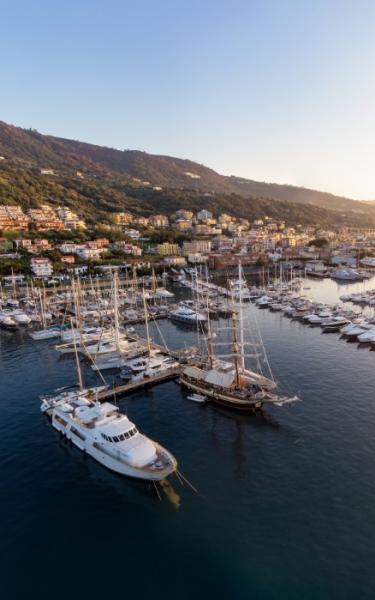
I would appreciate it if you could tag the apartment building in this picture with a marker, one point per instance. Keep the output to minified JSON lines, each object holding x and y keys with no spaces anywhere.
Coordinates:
{"x":13,"y":217}
{"x":168,"y":249}
{"x":41,"y":267}
{"x":196,"y":247}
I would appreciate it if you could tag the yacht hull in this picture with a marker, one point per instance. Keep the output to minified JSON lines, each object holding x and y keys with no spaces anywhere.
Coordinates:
{"x":226,"y":399}
{"x":189,"y":322}
{"x":109,"y":460}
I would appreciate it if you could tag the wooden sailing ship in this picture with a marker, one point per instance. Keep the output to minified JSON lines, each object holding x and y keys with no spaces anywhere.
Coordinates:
{"x":229,"y":382}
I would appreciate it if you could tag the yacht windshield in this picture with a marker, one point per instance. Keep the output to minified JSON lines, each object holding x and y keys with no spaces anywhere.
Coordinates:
{"x":120,"y":438}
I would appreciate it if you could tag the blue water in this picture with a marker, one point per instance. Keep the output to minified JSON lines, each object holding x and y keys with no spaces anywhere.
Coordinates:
{"x":286,"y":504}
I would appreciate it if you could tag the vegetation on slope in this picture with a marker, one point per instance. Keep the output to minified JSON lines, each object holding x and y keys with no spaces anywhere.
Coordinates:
{"x":112,"y":181}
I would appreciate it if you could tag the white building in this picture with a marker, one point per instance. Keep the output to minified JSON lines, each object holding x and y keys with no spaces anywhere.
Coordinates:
{"x":197,"y":258}
{"x":68,"y":248}
{"x":204,"y":215}
{"x":41,"y":267}
{"x":87,"y":253}
{"x":133,"y":234}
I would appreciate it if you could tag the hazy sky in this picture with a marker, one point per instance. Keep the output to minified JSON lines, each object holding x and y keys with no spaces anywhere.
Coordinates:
{"x":277,"y":91}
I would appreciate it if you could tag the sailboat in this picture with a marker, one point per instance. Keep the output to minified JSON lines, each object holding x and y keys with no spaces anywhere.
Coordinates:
{"x":229,"y":382}
{"x":121,"y":348}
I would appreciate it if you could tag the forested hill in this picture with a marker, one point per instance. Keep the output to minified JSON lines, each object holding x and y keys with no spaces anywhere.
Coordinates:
{"x":99,"y":179}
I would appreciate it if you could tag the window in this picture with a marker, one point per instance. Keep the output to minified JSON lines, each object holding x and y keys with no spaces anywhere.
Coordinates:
{"x":78,"y":433}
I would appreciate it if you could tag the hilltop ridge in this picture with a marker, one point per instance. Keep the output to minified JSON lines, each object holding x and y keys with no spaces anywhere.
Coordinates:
{"x":90,"y":177}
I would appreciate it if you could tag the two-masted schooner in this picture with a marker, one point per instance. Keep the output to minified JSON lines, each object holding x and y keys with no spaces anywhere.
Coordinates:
{"x":224,"y":378}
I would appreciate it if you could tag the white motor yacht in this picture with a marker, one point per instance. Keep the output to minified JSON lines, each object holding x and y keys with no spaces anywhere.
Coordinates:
{"x":140,"y":363}
{"x":334,"y":324}
{"x":263,"y":301}
{"x":240,"y":291}
{"x":54,"y":331}
{"x":163,"y":293}
{"x":21,"y":317}
{"x":367,"y":337}
{"x":7,"y":321}
{"x":345,"y":275}
{"x":69,"y":335}
{"x":118,"y":360}
{"x":183,"y":314}
{"x":155,"y":366}
{"x":12,"y":303}
{"x":346,"y":297}
{"x":313,"y":319}
{"x":104,"y":346}
{"x":102,"y":432}
{"x":353,"y":333}
{"x":355,"y":323}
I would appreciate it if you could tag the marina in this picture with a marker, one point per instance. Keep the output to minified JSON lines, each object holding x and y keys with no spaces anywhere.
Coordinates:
{"x":172,"y":399}
{"x":187,"y":301}
{"x":292,"y":463}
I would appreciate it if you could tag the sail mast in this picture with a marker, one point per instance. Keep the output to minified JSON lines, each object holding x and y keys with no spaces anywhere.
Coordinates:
{"x":115,"y":306}
{"x":236,"y":354}
{"x":76,"y":355}
{"x":210,"y":350}
{"x":242,"y":340}
{"x":146,"y":323}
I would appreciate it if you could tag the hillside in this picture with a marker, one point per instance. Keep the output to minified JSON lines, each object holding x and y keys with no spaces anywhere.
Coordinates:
{"x":112,"y":180}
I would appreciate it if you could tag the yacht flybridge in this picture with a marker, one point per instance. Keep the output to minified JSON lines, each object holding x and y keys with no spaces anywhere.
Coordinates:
{"x":108,"y":436}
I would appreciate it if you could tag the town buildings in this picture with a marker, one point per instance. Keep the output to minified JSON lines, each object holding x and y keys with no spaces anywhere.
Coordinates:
{"x":221,"y":240}
{"x":13,"y":218}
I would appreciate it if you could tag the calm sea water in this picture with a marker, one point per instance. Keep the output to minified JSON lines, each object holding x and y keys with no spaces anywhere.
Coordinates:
{"x":285,"y":505}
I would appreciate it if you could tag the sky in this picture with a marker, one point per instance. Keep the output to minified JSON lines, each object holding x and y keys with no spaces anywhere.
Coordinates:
{"x":273,"y":90}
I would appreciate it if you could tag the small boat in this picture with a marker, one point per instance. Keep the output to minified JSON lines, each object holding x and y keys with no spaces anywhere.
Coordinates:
{"x":263,"y":302}
{"x":334,"y":325}
{"x":346,"y":275}
{"x":197,"y":398}
{"x":367,"y":337}
{"x":20,"y":317}
{"x":54,"y":331}
{"x":163,"y":293}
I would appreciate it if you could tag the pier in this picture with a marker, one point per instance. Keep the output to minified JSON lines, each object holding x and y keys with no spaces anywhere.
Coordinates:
{"x":133,"y":386}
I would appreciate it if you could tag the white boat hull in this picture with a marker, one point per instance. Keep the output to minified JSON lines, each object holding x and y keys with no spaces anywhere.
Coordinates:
{"x":105,"y":458}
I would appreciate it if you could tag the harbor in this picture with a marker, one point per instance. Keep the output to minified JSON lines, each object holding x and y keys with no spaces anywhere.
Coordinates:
{"x":279,"y":468}
{"x":187,"y":301}
{"x":185,"y":392}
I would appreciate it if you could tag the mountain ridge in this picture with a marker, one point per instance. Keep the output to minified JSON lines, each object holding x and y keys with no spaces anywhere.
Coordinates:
{"x":119,"y":175}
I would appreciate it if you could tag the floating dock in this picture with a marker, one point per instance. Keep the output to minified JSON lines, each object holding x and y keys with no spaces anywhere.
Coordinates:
{"x":133,"y":386}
